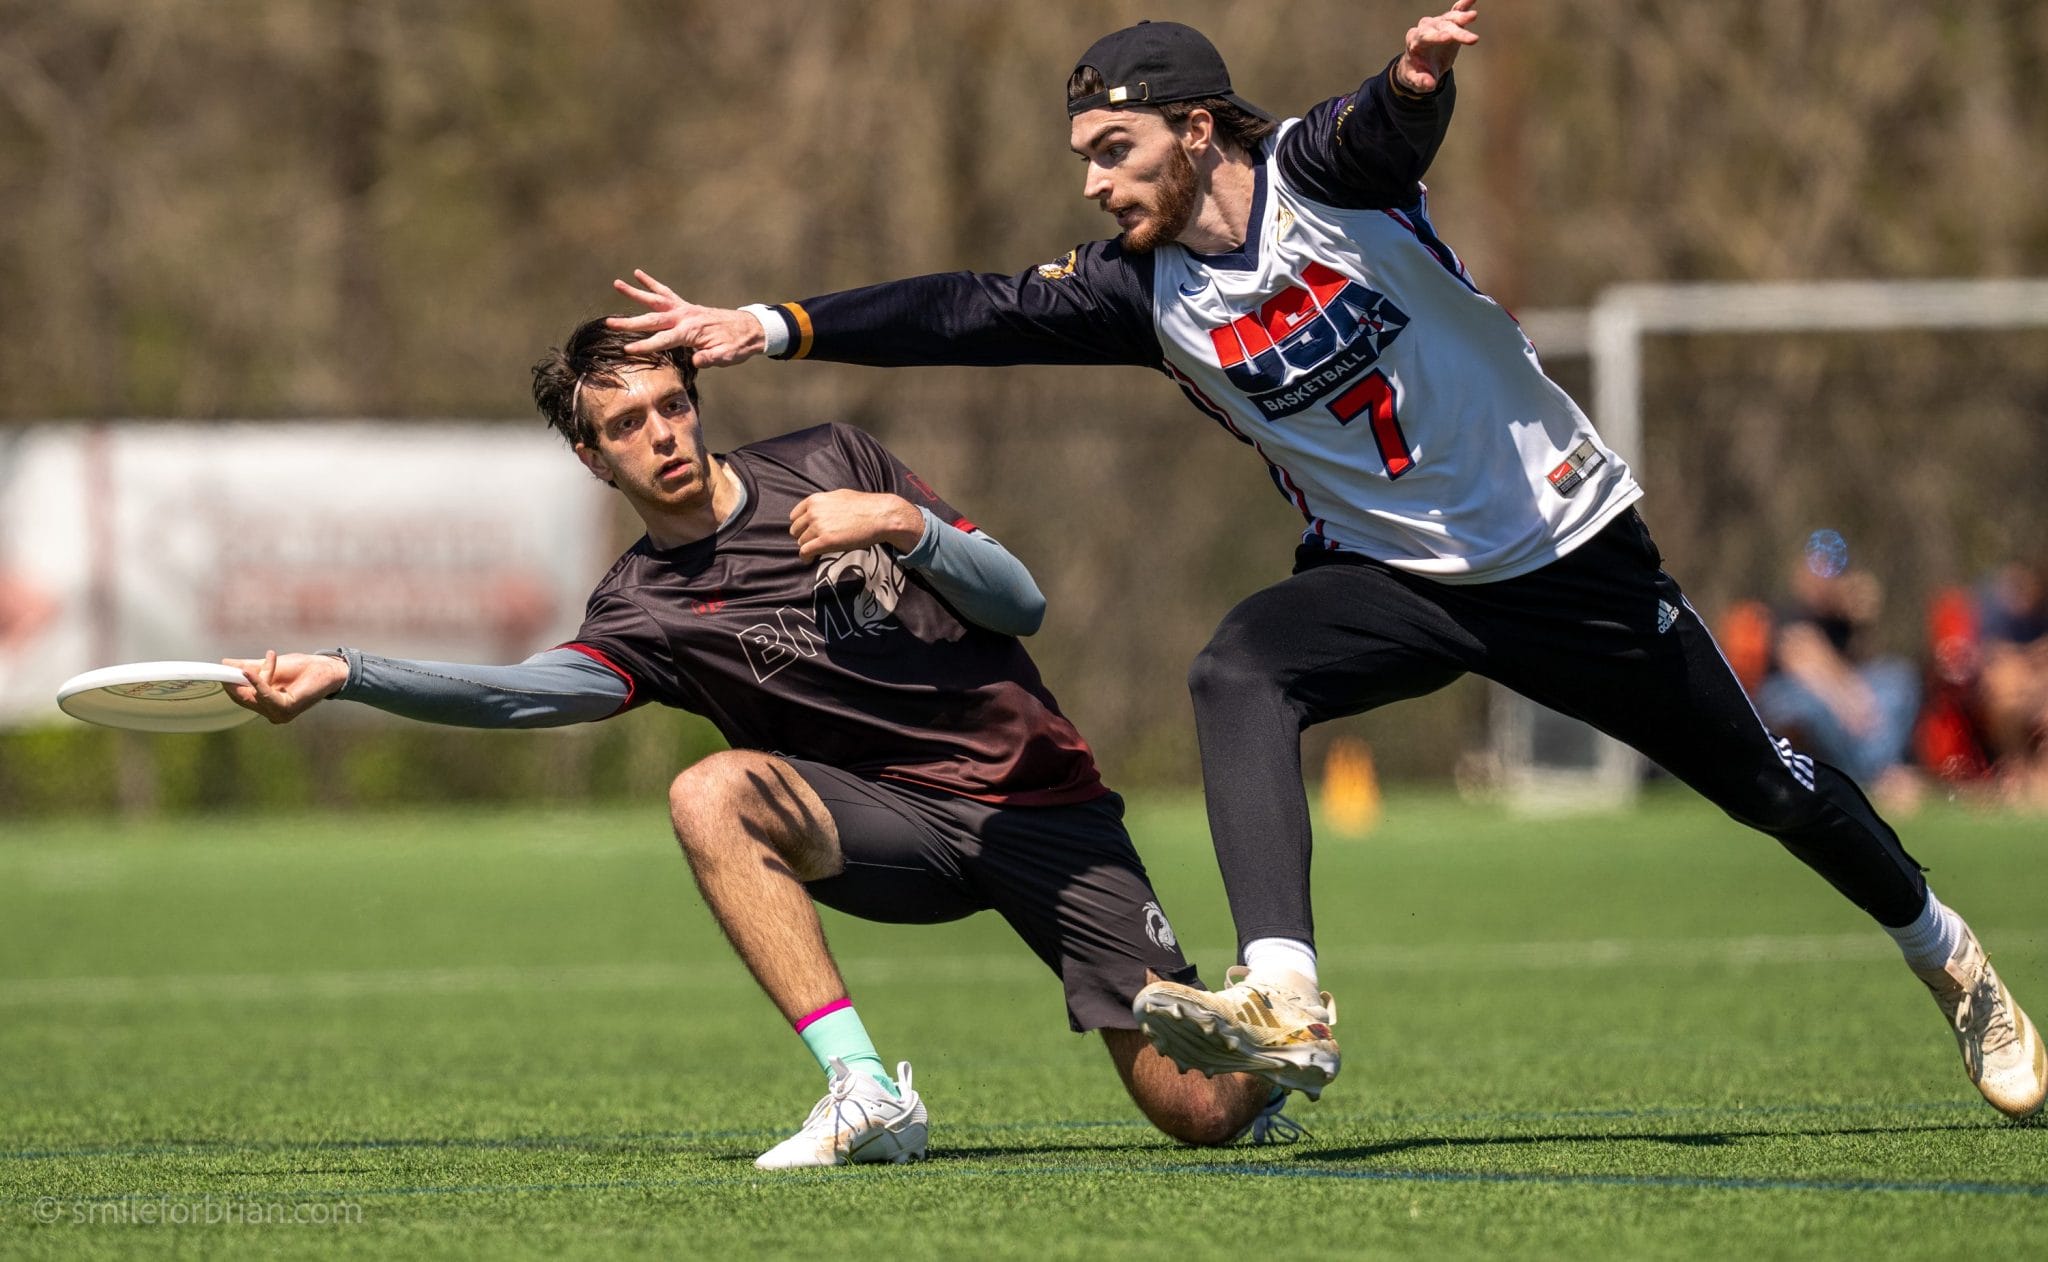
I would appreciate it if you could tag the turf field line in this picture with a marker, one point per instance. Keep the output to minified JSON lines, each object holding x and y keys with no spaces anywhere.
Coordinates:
{"x":954,"y":1167}
{"x":1683,"y":1182}
{"x":1657,"y":1112}
{"x":222,"y":1147}
{"x":484,"y":979}
{"x":227,"y":1147}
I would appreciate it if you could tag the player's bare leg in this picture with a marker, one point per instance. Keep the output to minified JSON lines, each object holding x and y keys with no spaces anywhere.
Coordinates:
{"x":1190,"y":1107}
{"x":754,"y":832}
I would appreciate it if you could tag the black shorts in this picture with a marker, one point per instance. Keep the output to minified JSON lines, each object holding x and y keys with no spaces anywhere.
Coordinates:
{"x":1066,"y":878}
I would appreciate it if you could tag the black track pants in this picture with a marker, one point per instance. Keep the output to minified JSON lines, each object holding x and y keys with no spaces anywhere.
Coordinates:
{"x":1582,"y":636}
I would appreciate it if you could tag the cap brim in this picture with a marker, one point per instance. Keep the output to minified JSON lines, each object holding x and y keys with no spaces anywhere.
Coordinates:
{"x":1250,"y":109}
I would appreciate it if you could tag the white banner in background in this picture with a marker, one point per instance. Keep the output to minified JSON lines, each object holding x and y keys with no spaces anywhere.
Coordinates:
{"x":139,"y":541}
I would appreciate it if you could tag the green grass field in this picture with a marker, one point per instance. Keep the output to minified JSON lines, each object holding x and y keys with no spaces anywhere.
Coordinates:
{"x":477,"y":1033}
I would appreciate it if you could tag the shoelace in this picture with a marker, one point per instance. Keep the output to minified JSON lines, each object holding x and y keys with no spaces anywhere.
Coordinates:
{"x":1980,"y":1015}
{"x":1271,"y":1126}
{"x":837,"y":1095}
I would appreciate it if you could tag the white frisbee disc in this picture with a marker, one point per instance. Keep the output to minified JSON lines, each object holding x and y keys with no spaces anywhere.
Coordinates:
{"x":156,"y":697}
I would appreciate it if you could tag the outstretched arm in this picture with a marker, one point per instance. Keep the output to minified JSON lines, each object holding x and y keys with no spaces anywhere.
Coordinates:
{"x":1432,"y":45}
{"x":1370,"y":148}
{"x":1091,"y":306}
{"x":720,"y":337}
{"x":549,"y":689}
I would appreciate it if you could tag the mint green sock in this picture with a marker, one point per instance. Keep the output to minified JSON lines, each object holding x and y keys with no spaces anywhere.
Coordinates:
{"x":840,"y":1033}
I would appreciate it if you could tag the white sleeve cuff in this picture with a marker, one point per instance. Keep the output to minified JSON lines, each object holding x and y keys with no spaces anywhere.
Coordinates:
{"x":773,"y":328}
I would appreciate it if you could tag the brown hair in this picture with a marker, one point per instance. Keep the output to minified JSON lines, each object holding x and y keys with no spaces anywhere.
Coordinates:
{"x":1242,"y":131}
{"x":595,"y":355}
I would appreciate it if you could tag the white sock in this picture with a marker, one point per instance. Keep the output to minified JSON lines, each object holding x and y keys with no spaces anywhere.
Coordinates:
{"x":1266,"y":956}
{"x":1931,"y":939}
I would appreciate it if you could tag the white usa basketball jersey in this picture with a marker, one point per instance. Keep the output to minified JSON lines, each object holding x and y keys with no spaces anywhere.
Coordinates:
{"x":1401,"y":410}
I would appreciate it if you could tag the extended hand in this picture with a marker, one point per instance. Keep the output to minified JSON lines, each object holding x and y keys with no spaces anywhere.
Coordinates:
{"x":840,"y":521}
{"x":718,"y":336}
{"x":282,"y":688}
{"x":1433,"y":45}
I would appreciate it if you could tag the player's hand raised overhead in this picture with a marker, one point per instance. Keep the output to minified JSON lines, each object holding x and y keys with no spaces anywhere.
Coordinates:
{"x":282,"y":688}
{"x":718,"y":336}
{"x":1433,"y":45}
{"x":839,"y":521}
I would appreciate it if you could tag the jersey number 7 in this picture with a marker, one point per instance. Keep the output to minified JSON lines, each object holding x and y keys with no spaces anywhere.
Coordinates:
{"x":1373,"y":396}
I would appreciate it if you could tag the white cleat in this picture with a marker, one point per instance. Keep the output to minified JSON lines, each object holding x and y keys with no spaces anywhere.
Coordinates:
{"x":2001,"y":1048}
{"x":857,"y":1121}
{"x":1279,"y":1034}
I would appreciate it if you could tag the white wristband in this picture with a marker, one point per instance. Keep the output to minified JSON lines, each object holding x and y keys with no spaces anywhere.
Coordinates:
{"x":773,"y":330}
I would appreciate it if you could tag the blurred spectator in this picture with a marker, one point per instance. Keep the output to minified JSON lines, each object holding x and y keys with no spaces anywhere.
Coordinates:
{"x":1745,"y":633}
{"x":2012,"y":622}
{"x":1950,"y":738}
{"x":1830,"y":694}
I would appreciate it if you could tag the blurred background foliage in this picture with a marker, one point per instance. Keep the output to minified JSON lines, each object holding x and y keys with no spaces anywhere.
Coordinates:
{"x":284,"y":208}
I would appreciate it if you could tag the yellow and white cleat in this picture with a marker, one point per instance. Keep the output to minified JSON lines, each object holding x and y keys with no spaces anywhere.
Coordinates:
{"x":1275,"y":1032}
{"x":2001,"y":1048}
{"x":857,"y":1121}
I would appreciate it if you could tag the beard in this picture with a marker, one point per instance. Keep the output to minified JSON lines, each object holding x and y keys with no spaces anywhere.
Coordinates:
{"x":1173,"y":204}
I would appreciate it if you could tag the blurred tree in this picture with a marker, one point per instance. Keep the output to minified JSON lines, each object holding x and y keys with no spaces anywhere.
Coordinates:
{"x":339,"y":207}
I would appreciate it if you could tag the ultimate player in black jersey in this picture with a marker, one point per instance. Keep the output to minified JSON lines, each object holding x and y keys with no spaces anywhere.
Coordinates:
{"x":1460,"y":512}
{"x":894,"y":753}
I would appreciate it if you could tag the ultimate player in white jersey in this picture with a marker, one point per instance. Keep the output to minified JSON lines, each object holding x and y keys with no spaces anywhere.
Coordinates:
{"x":1460,"y":512}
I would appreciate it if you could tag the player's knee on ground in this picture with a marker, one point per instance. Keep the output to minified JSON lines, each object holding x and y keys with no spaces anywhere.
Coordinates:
{"x":740,"y":800}
{"x":1204,"y":1119}
{"x":1191,"y":1108}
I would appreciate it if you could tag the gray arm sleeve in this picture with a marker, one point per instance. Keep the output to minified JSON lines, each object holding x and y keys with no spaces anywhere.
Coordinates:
{"x":550,"y":689}
{"x":978,"y":577}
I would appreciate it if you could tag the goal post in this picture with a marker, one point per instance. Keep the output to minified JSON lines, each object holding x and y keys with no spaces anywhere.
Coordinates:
{"x":1547,"y":761}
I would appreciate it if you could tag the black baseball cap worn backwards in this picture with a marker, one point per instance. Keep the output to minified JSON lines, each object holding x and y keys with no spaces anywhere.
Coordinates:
{"x":1153,"y":63}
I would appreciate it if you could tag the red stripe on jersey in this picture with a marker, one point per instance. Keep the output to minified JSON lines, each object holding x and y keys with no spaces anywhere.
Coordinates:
{"x":1203,"y":401}
{"x":632,"y":688}
{"x":964,"y":524}
{"x":1300,"y":500}
{"x":1442,"y":253}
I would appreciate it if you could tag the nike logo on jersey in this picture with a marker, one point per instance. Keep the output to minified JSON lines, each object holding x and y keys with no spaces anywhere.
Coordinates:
{"x":1190,"y":291}
{"x":1322,"y":332}
{"x":1572,"y":472}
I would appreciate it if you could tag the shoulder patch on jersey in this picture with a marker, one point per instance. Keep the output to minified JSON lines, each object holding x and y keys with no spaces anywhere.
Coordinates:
{"x":1060,"y":268}
{"x":1571,"y":473}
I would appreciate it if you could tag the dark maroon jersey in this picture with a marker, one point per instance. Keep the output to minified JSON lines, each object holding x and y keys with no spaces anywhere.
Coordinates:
{"x":849,"y":659}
